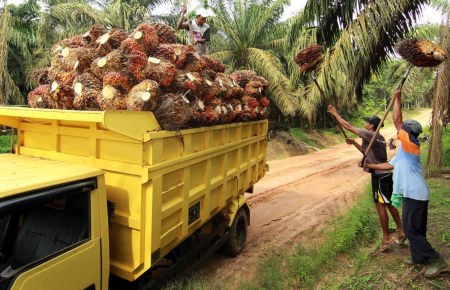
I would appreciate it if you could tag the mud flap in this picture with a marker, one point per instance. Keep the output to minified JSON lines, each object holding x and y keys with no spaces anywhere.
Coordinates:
{"x":231,"y":210}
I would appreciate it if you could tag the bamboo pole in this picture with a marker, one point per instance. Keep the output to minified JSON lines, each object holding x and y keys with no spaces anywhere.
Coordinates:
{"x":384,"y":118}
{"x":328,"y":104}
{"x":189,"y":24}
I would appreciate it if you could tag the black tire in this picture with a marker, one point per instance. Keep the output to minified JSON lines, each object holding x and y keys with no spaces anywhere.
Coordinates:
{"x":238,"y":234}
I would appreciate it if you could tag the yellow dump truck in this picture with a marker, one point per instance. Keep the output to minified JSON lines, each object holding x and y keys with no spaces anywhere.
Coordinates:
{"x":100,"y":200}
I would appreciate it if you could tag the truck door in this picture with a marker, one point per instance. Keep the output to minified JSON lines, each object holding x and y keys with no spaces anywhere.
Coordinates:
{"x":56,"y":239}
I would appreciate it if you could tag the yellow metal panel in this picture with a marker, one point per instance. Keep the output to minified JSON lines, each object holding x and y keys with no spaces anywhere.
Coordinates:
{"x":20,"y":173}
{"x":120,"y":151}
{"x":131,"y":123}
{"x":67,"y":271}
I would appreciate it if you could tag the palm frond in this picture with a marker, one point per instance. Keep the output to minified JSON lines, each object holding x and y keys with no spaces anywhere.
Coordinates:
{"x":266,"y":65}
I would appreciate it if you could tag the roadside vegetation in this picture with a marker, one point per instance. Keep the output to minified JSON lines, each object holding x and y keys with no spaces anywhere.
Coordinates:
{"x":346,"y":255}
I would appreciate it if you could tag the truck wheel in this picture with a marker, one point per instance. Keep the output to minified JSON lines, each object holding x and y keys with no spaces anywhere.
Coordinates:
{"x":238,"y":234}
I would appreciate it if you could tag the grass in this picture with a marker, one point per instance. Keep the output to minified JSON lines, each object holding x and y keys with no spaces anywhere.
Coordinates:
{"x":5,"y":143}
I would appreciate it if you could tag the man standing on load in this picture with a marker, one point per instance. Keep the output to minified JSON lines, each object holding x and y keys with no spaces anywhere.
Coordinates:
{"x":200,"y":30}
{"x":382,"y":185}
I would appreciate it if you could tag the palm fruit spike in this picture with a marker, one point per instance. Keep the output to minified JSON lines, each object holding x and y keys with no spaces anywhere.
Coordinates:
{"x":209,"y":74}
{"x":187,"y":83}
{"x":87,"y":89}
{"x":61,"y":96}
{"x":131,"y":44}
{"x":160,"y":70}
{"x":253,"y":89}
{"x":235,"y":92}
{"x":78,"y":59}
{"x":230,"y":113}
{"x":40,"y":76}
{"x":309,"y":58}
{"x":175,"y":53}
{"x":238,"y":112}
{"x":146,"y":36}
{"x":264,"y":102}
{"x":194,"y":63}
{"x":420,"y":52}
{"x":165,"y":33}
{"x":110,"y":40}
{"x":116,"y":61}
{"x":264,"y":83}
{"x":173,"y":112}
{"x":71,"y":42}
{"x":218,"y":66}
{"x":197,"y":108}
{"x":223,"y":84}
{"x":208,"y":61}
{"x":242,"y":77}
{"x":208,"y":90}
{"x":210,"y":116}
{"x":138,"y":61}
{"x":63,"y":77}
{"x":144,"y":96}
{"x":117,"y":81}
{"x":95,"y":32}
{"x":38,"y":98}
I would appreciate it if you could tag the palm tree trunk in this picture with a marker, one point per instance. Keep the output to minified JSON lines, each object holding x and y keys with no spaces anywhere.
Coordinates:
{"x":4,"y":54}
{"x":442,"y":85}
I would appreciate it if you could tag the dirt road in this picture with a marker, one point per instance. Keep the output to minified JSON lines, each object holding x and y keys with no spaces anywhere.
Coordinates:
{"x":297,"y":197}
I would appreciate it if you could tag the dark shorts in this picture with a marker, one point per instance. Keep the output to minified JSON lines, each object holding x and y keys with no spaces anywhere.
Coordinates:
{"x":382,"y":187}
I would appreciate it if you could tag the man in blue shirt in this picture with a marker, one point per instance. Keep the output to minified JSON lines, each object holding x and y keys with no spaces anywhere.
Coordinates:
{"x":410,"y":183}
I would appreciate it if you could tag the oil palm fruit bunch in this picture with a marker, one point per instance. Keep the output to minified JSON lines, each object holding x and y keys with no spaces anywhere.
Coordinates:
{"x":145,"y":35}
{"x":173,"y":112}
{"x":165,"y":33}
{"x":420,"y":52}
{"x":238,"y":112}
{"x":78,"y":59}
{"x":213,"y":64}
{"x":61,"y":95}
{"x":130,"y":44}
{"x":194,"y":63}
{"x":208,"y":90}
{"x":175,"y":53}
{"x":186,"y":83}
{"x":71,"y":42}
{"x":143,"y":96}
{"x":242,"y":77}
{"x":197,"y":109}
{"x":40,"y":76}
{"x":115,"y":88}
{"x":96,"y":31}
{"x":87,"y":88}
{"x":230,"y":115}
{"x":223,"y":84}
{"x":38,"y":98}
{"x":137,"y":62}
{"x":160,"y":70}
{"x":116,"y":61}
{"x":253,"y":89}
{"x":264,"y":102}
{"x":110,"y":41}
{"x":210,"y":116}
{"x":309,"y":58}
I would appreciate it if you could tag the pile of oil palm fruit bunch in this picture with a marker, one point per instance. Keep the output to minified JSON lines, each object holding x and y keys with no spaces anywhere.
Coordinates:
{"x":147,"y":70}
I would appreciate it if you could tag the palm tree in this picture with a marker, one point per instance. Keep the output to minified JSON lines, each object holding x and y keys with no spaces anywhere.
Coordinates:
{"x":354,"y":48}
{"x":441,"y":103}
{"x":249,"y":36}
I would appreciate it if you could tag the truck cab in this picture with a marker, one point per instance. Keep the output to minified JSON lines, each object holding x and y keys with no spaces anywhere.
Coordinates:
{"x":53,"y":218}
